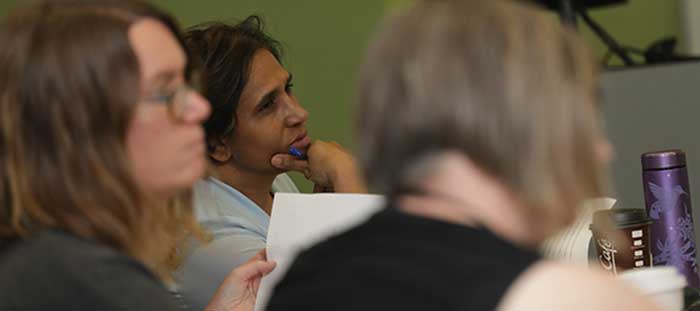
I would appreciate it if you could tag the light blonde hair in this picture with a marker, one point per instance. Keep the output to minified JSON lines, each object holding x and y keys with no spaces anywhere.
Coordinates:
{"x":69,"y":84}
{"x":496,"y":80}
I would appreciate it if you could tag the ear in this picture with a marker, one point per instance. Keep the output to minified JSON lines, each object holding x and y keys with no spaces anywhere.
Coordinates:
{"x":221,"y":153}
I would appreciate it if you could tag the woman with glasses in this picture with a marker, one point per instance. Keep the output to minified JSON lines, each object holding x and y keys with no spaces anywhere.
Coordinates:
{"x":256,"y":127}
{"x":100,"y":140}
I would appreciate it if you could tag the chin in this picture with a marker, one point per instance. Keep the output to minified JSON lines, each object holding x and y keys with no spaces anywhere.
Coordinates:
{"x":188,"y":177}
{"x":197,"y":172}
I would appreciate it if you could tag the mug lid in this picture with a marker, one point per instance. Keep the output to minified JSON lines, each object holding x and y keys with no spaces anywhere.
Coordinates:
{"x":663,"y":159}
{"x":621,"y":217}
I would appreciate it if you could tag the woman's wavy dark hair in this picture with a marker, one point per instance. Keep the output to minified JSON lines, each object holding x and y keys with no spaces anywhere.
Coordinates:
{"x":69,"y":85}
{"x":225,"y":54}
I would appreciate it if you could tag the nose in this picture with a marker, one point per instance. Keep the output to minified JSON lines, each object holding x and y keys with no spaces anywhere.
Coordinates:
{"x":197,"y":109}
{"x":297,"y":114}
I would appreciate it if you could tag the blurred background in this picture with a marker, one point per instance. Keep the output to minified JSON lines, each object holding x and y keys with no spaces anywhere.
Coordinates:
{"x":324,"y":42}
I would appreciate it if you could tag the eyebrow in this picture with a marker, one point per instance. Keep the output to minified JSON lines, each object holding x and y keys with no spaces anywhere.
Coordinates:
{"x":273,"y":93}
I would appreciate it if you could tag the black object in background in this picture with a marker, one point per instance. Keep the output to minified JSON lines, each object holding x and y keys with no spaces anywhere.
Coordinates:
{"x":568,"y":9}
{"x":660,"y":51}
{"x":555,"y":4}
{"x":691,"y":299}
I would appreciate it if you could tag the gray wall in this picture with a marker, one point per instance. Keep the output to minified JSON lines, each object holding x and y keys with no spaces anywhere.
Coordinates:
{"x":649,"y":109}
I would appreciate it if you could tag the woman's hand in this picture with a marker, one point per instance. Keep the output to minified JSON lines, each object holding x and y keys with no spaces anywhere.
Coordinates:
{"x":238,"y":291}
{"x":328,"y":165}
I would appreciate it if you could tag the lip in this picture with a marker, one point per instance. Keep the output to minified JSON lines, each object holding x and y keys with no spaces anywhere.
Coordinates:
{"x":302,"y":141}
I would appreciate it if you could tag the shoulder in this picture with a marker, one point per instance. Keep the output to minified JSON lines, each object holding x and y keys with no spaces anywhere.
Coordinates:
{"x":379,"y":277}
{"x":358,"y":283}
{"x":61,"y":251}
{"x":549,"y":285}
{"x":71,"y":272}
{"x":350,"y":255}
{"x":219,"y":204}
{"x":207,"y":192}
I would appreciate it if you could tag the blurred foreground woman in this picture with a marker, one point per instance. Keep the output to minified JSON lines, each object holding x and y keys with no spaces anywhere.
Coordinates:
{"x":478,"y":119}
{"x":100,"y":142}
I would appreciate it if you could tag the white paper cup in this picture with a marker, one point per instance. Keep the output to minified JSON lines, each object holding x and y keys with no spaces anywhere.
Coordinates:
{"x":663,"y":284}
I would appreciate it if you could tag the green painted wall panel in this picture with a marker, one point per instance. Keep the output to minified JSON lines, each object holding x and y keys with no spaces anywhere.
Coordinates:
{"x":637,"y":23}
{"x":325,"y":39}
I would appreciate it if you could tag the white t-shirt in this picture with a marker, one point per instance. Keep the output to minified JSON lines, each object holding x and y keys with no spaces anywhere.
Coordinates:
{"x":239,"y":230}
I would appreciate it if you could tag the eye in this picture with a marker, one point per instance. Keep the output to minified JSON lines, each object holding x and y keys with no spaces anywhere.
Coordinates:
{"x":288,"y":87}
{"x":267,"y":104}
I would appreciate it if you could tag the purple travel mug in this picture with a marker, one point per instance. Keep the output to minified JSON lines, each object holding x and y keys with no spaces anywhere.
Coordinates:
{"x":667,"y":197}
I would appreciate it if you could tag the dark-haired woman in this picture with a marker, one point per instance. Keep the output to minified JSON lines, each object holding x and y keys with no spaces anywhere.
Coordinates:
{"x":256,"y":120}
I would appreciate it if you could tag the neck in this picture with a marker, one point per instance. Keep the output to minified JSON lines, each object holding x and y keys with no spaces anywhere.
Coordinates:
{"x":459,"y":192}
{"x":256,"y":186}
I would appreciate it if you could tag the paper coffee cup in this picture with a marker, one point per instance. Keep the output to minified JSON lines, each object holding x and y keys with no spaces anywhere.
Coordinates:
{"x":621,"y":237}
{"x":664,"y":285}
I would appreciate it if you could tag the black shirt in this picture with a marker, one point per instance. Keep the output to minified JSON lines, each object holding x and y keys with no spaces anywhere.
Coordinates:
{"x":54,"y":270}
{"x":396,"y":261}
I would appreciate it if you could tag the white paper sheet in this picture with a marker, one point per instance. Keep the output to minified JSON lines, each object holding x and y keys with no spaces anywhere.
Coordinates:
{"x":299,"y":221}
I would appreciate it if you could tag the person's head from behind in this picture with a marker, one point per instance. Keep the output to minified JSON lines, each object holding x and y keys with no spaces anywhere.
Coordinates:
{"x":254,"y":112}
{"x":495,"y":81}
{"x":98,"y":124}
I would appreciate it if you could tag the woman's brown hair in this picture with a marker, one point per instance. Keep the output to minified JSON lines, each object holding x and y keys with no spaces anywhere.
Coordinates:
{"x":69,"y":84}
{"x":496,"y":80}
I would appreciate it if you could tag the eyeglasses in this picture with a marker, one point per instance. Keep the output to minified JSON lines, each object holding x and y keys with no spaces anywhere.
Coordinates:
{"x":177,"y":101}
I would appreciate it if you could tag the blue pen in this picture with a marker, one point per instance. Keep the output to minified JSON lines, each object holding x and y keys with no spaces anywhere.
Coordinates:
{"x":295,"y":152}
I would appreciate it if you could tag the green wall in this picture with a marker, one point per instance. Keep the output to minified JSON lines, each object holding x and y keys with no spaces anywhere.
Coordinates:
{"x":325,"y":39}
{"x":637,"y":24}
